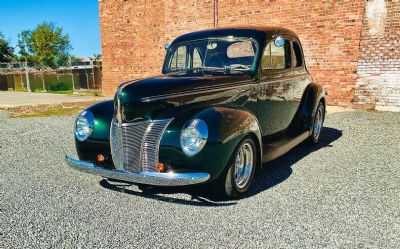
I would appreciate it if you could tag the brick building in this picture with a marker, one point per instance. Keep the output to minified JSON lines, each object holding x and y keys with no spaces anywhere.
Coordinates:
{"x":351,"y":46}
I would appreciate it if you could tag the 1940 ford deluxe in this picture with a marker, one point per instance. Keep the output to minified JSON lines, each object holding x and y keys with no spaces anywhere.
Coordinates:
{"x":227,"y":101}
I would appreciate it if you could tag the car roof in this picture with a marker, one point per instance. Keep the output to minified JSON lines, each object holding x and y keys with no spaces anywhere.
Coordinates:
{"x":259,"y":32}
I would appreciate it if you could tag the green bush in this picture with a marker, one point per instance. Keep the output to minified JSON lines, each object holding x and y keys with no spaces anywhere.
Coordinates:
{"x":59,"y":87}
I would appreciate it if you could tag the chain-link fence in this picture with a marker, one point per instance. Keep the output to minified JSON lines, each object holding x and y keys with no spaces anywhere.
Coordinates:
{"x":81,"y":76}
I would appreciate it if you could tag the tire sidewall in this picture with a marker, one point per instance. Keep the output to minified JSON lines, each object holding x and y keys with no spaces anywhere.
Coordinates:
{"x":230,"y":179}
{"x":316,"y":140}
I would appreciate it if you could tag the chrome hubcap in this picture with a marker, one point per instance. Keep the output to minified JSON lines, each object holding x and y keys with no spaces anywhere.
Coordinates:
{"x":244,"y":165}
{"x":319,"y":118}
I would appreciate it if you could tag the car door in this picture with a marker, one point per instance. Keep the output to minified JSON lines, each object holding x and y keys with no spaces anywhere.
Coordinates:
{"x":275,"y":107}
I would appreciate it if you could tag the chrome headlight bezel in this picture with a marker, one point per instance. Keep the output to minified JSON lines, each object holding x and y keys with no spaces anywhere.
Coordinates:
{"x":194,"y":137}
{"x":84,"y":125}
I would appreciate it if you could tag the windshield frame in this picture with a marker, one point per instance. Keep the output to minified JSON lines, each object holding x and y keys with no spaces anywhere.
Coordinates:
{"x":169,"y":54}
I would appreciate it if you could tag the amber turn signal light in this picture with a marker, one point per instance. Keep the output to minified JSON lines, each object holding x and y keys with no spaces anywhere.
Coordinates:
{"x":160,"y":167}
{"x":100,"y":158}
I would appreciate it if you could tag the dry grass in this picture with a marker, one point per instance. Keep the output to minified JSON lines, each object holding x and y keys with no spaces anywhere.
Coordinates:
{"x":63,"y":109}
{"x":41,"y":111}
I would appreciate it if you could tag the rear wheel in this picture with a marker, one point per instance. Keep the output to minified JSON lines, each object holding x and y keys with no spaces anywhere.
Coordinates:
{"x":317,"y":124}
{"x":237,"y":178}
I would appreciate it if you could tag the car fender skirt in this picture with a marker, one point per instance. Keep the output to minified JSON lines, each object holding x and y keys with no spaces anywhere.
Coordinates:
{"x":144,"y":177}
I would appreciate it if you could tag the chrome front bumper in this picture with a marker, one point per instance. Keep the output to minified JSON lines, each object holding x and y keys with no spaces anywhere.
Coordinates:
{"x":144,"y":177}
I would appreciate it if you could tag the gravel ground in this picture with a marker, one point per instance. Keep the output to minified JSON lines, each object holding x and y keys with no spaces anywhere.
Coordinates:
{"x":343,"y":193}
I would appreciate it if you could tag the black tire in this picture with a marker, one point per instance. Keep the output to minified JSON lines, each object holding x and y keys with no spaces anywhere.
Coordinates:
{"x":226,"y":185}
{"x":315,"y":129}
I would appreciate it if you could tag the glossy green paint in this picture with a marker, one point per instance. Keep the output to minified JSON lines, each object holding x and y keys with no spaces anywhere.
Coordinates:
{"x":98,"y":141}
{"x":233,"y":106}
{"x":226,"y":128}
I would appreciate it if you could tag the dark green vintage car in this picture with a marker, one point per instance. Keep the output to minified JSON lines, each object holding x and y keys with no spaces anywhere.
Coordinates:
{"x":227,"y":101}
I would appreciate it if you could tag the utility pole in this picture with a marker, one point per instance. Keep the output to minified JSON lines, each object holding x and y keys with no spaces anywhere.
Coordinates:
{"x":215,"y":13}
{"x":73,"y":81}
{"x":44,"y":85}
{"x":94,"y":83}
{"x":72,"y":73}
{"x":87,"y":78}
{"x":28,"y":86}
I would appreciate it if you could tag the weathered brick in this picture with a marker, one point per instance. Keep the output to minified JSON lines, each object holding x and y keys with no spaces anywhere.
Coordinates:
{"x":379,"y":63}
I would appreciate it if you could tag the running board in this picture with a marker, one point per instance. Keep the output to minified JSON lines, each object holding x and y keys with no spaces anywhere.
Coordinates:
{"x":278,"y":148}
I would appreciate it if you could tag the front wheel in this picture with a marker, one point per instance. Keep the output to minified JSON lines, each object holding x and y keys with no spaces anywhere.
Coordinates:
{"x":317,"y":124}
{"x":236,"y":180}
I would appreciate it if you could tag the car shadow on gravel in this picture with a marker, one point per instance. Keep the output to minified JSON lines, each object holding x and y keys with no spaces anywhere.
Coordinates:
{"x":196,"y":193}
{"x":272,"y":174}
{"x":280,"y":169}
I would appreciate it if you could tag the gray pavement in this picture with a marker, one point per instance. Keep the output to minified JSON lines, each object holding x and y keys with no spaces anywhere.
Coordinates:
{"x":17,"y":99}
{"x":343,"y":193}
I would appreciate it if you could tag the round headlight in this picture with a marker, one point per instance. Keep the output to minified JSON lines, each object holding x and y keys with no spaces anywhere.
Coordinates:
{"x":84,"y":125}
{"x":194,"y":136}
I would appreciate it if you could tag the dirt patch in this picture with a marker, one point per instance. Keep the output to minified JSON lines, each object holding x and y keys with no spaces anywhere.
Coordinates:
{"x":63,"y":109}
{"x":334,"y":109}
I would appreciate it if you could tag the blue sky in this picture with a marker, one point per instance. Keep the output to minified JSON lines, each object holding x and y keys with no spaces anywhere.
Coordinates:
{"x":78,"y":18}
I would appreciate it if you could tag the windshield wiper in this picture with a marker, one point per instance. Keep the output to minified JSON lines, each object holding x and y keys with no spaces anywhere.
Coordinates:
{"x":184,"y":71}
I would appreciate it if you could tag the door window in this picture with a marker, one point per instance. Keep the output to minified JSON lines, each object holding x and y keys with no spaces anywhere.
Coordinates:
{"x":276,"y":58}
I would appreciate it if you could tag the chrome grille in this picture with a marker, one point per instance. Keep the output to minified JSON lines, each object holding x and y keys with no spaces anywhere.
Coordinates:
{"x":134,"y":146}
{"x":117,"y":148}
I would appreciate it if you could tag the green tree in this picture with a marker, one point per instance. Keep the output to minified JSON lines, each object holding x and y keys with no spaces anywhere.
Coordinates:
{"x":97,"y":57}
{"x":6,"y":52}
{"x":45,"y":46}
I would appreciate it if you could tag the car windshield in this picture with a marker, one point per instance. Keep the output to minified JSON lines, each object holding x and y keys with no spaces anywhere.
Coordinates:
{"x":212,"y":55}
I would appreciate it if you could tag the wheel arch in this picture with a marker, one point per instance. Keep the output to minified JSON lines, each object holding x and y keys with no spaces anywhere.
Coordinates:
{"x":98,"y":141}
{"x":103,"y":113}
{"x":302,"y":121}
{"x":258,"y":144}
{"x":227,"y":127}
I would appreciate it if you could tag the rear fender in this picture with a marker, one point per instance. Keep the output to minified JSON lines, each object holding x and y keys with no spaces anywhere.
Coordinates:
{"x":303,"y":119}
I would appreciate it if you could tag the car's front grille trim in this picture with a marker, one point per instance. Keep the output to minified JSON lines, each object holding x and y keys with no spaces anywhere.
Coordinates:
{"x":135,"y":146}
{"x":117,"y":145}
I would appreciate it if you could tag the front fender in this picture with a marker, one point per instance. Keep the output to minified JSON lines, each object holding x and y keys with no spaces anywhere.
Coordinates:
{"x":226,"y":128}
{"x":98,"y":141}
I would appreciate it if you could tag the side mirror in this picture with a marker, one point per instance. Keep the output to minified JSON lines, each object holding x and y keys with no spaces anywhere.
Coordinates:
{"x":279,"y":41}
{"x":167,"y":45}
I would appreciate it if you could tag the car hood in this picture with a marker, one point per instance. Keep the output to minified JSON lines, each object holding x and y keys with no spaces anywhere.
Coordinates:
{"x":144,"y":99}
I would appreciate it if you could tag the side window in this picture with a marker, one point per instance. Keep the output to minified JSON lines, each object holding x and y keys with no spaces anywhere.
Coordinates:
{"x":196,"y":58}
{"x":275,"y":58}
{"x":298,"y":55}
{"x":178,"y":60}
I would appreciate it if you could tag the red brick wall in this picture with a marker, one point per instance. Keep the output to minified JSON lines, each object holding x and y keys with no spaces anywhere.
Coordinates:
{"x":378,"y":81}
{"x":133,"y":34}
